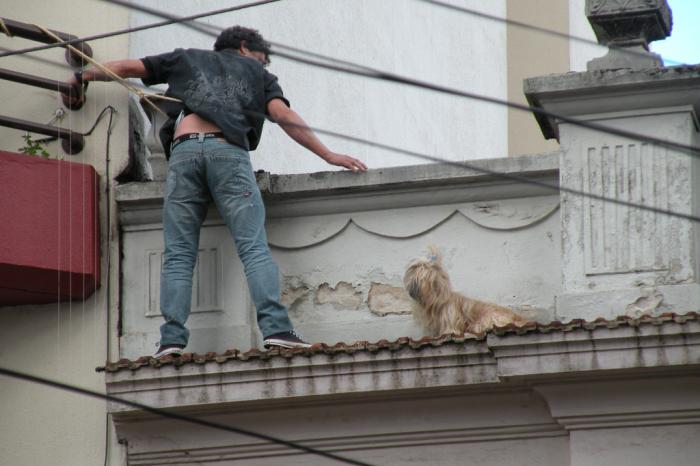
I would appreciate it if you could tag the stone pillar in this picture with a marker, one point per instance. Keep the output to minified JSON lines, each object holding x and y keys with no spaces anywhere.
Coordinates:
{"x":617,"y":259}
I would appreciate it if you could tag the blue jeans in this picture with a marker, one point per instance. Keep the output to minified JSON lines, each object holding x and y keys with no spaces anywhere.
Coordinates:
{"x":199,"y":171}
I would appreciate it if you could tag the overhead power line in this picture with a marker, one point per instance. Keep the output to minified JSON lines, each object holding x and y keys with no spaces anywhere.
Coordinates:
{"x":423,"y":156}
{"x":486,"y":171}
{"x":370,"y":73}
{"x":366,"y":71}
{"x":532,"y":27}
{"x":177,"y":416}
{"x":41,"y":59}
{"x":693,"y":151}
{"x":135,"y":29}
{"x":374,"y":73}
{"x":213,"y":30}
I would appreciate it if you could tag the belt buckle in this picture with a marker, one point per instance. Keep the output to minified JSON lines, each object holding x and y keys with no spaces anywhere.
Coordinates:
{"x":200,"y":137}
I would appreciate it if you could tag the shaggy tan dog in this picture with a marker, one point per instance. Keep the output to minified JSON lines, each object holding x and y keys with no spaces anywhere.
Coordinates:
{"x":441,"y":310}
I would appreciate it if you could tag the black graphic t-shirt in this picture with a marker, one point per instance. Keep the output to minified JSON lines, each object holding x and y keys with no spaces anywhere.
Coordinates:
{"x":224,"y":87}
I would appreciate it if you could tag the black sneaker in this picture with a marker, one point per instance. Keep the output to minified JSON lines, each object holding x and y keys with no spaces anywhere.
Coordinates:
{"x":285,"y":340}
{"x":173,"y":350}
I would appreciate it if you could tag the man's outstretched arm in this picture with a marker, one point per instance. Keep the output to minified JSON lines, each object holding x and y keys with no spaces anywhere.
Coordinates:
{"x":297,"y":129}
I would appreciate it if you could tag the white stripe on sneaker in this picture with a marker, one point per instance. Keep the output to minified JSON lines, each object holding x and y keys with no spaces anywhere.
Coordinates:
{"x":174,"y":350}
{"x":285,"y":343}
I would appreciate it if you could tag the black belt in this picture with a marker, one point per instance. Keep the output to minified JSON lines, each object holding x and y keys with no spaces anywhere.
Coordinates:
{"x":188,"y":136}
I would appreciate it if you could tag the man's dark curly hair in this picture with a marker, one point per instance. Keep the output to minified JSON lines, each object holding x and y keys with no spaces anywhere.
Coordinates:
{"x":233,"y":37}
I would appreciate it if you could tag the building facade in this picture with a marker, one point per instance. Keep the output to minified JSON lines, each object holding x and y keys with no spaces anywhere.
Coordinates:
{"x":616,"y":387}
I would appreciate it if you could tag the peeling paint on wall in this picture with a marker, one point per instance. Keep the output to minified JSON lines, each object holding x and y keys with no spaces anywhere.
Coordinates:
{"x":291,"y":296}
{"x":386,"y":299}
{"x":650,"y":301}
{"x":343,"y":296}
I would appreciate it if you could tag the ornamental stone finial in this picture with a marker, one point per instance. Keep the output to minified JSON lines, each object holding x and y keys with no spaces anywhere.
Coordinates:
{"x":627,"y":27}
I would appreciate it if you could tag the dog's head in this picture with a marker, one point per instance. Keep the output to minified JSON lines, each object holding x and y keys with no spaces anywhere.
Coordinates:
{"x":425,"y":279}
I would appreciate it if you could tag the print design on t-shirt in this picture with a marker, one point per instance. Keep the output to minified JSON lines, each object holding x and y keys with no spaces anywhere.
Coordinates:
{"x":221,"y":93}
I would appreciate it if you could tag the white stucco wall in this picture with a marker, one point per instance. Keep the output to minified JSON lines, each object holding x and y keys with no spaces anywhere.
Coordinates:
{"x":343,"y":243}
{"x":408,"y":38}
{"x":62,"y":342}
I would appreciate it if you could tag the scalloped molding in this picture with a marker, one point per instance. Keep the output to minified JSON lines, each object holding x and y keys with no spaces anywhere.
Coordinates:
{"x":502,"y":215}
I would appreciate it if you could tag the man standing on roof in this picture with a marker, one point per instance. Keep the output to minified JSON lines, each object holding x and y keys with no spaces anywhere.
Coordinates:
{"x":225,"y":93}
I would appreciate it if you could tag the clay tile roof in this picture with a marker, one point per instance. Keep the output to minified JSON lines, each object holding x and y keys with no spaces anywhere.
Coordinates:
{"x":396,"y":345}
{"x":580,"y":324}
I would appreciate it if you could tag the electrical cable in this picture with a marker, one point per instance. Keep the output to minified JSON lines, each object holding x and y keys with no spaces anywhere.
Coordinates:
{"x":176,"y":416}
{"x":476,"y":168}
{"x":693,"y":151}
{"x":540,"y":29}
{"x":373,"y":73}
{"x":148,"y":408}
{"x":134,"y":29}
{"x":213,"y":31}
{"x":108,"y":267}
{"x":106,"y":439}
{"x":89,"y":132}
{"x":485,"y":171}
{"x":254,"y":4}
{"x":41,"y":59}
{"x":106,"y":71}
{"x":467,"y":165}
{"x":377,"y":74}
{"x":112,"y":111}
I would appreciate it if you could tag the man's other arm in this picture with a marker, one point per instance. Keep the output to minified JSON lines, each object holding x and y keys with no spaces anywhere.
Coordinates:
{"x":297,"y":129}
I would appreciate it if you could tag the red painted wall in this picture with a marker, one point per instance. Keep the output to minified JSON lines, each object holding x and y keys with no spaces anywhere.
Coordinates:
{"x":49,"y":230}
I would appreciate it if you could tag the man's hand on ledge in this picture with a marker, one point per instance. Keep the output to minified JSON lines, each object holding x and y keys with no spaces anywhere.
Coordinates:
{"x":346,"y":161}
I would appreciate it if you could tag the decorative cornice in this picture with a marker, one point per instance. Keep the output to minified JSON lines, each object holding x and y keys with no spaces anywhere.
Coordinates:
{"x":609,"y":421}
{"x":612,"y":92}
{"x":624,"y":402}
{"x":461,"y":361}
{"x":259,"y":450}
{"x":333,"y":193}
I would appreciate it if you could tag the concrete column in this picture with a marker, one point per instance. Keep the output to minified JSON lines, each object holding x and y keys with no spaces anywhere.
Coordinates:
{"x":620,"y":259}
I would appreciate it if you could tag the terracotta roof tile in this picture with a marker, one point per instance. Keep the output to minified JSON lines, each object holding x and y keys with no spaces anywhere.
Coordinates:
{"x":396,"y":345}
{"x":580,"y":324}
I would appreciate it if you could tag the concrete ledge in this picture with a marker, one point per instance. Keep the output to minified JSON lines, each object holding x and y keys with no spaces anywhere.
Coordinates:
{"x":386,"y":188}
{"x":412,"y":177}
